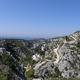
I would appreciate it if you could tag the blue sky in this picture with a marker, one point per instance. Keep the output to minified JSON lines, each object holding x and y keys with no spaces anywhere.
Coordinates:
{"x":39,"y":18}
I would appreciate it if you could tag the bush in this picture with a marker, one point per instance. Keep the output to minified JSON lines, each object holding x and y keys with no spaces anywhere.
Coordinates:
{"x":30,"y":73}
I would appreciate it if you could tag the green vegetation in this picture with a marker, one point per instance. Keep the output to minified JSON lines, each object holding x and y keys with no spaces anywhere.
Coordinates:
{"x":57,"y":72}
{"x":30,"y":73}
{"x":38,"y":49}
{"x":3,"y":76}
{"x":78,"y":45}
{"x":12,"y":60}
{"x":67,"y":38}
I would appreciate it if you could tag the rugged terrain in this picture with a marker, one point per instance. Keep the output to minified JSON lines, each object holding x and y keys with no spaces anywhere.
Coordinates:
{"x":42,"y":59}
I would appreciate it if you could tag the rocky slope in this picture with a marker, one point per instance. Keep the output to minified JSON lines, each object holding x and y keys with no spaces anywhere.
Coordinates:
{"x":43,"y":59}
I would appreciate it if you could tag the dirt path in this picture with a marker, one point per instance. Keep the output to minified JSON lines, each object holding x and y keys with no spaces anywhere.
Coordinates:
{"x":57,"y":50}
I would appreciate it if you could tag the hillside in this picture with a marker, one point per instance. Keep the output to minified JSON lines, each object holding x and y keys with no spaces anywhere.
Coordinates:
{"x":42,"y":59}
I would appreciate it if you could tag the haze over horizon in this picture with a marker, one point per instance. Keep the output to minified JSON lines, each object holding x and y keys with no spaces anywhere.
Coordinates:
{"x":39,"y":18}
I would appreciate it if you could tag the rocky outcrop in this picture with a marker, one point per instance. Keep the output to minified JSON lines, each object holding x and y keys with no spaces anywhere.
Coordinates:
{"x":67,"y":59}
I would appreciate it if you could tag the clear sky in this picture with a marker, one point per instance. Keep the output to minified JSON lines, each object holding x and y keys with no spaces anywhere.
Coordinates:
{"x":39,"y":18}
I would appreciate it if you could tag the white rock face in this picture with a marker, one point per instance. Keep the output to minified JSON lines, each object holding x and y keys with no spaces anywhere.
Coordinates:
{"x":69,"y":64}
{"x":37,"y":79}
{"x":42,"y":48}
{"x":2,"y":49}
{"x":44,"y":68}
{"x":36,"y":57}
